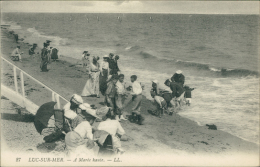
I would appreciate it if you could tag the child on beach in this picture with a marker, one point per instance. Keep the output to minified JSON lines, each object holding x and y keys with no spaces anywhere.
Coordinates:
{"x":120,"y":96}
{"x":110,"y":95}
{"x":137,"y":100}
{"x":158,"y":100}
{"x":16,"y":55}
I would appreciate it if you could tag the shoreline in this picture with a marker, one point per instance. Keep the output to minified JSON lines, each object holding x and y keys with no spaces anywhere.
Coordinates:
{"x":169,"y":132}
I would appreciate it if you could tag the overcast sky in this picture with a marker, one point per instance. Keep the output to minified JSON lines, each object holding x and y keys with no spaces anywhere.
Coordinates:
{"x":186,"y":7}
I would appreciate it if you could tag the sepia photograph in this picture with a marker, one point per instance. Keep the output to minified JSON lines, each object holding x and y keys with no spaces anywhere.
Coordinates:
{"x":130,"y":83}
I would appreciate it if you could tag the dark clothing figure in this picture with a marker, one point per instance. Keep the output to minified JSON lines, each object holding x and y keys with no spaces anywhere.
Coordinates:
{"x":110,"y":98}
{"x":113,"y":66}
{"x":103,"y":81}
{"x":45,"y":59}
{"x":16,"y":37}
{"x":178,"y":78}
{"x":177,"y":89}
{"x":31,"y":51}
{"x":54,"y":54}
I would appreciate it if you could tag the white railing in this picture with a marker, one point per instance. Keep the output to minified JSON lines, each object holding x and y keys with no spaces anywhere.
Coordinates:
{"x":55,"y":96}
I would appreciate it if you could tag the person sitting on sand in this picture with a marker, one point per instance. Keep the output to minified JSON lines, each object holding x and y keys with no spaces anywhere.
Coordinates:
{"x":72,"y":108}
{"x":113,"y":65}
{"x":45,"y":58}
{"x":120,"y":96}
{"x":104,"y":68}
{"x":110,"y":95}
{"x":92,"y":85}
{"x":32,"y":49}
{"x":177,"y":91}
{"x":16,"y":55}
{"x":79,"y":142}
{"x":137,"y":100}
{"x":178,"y":77}
{"x":114,"y":128}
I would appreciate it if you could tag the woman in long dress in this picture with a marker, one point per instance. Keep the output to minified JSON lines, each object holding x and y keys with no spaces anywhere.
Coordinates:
{"x":104,"y":68}
{"x":92,"y":84}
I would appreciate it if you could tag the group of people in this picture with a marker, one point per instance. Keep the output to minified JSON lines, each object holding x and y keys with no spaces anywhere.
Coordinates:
{"x":179,"y":94}
{"x":47,"y":53}
{"x":105,"y":77}
{"x":83,"y":138}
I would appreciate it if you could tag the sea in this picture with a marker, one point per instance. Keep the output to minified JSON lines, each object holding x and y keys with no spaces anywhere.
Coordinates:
{"x":218,"y":55}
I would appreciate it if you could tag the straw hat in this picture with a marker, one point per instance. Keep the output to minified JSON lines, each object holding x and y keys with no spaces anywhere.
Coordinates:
{"x":178,"y":72}
{"x":76,"y":99}
{"x":89,"y":110}
{"x":106,"y":56}
{"x":155,"y":81}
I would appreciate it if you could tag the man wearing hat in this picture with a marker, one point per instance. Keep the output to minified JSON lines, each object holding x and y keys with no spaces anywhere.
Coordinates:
{"x":16,"y":54}
{"x":178,"y":77}
{"x":80,"y":141}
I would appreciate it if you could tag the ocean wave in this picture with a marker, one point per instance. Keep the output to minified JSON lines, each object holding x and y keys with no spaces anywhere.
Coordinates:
{"x":57,"y":41}
{"x":146,"y":55}
{"x":227,"y":72}
{"x":133,"y":48}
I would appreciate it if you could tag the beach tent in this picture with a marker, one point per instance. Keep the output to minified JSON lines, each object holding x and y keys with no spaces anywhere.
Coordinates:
{"x":44,"y":114}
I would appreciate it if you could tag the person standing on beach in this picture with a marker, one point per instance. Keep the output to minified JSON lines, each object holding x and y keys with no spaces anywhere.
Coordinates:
{"x":92,"y":84}
{"x":104,"y":68}
{"x":137,"y":100}
{"x":113,"y":65}
{"x":16,"y":54}
{"x":45,"y":58}
{"x":110,"y":95}
{"x":120,"y":96}
{"x":178,"y":77}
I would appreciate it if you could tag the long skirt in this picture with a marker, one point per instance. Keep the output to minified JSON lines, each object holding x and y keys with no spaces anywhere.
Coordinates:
{"x":92,"y":85}
{"x":103,"y":81}
{"x":43,"y":65}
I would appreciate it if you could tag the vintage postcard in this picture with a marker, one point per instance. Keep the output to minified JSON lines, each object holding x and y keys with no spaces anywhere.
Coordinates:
{"x":129,"y":83}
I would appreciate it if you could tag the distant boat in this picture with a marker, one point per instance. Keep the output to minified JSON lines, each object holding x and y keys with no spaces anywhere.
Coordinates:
{"x":151,"y":19}
{"x":70,"y":19}
{"x":97,"y":18}
{"x":87,"y":19}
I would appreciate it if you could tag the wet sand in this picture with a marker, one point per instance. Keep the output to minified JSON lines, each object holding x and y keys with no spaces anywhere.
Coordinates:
{"x":171,"y":135}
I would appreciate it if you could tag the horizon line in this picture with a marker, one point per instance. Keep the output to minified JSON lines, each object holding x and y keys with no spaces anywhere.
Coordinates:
{"x":136,"y":13}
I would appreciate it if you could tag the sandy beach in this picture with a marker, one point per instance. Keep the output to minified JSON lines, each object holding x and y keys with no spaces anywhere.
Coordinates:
{"x":171,"y":135}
